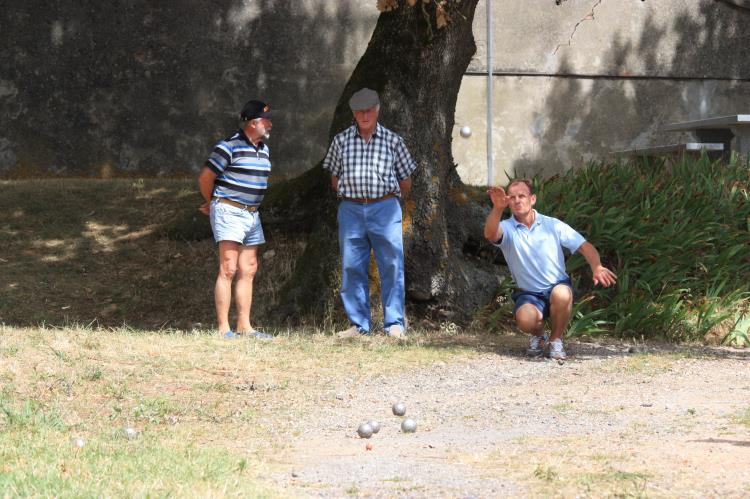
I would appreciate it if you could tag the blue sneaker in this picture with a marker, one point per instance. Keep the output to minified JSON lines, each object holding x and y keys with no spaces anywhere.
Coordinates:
{"x":261,"y":335}
{"x":255,"y":334}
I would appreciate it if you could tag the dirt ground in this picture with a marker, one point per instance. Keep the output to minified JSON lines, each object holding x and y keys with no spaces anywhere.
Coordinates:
{"x":614,"y":420}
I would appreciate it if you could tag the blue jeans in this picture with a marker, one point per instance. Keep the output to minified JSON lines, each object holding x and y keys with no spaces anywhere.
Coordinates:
{"x":364,"y":227}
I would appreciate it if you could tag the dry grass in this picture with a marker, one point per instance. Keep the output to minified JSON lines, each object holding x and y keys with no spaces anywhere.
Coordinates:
{"x":119,"y":252}
{"x":196,"y":399}
{"x":575,"y":467}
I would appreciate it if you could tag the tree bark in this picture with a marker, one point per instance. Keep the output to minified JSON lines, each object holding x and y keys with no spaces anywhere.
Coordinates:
{"x":417,"y":70}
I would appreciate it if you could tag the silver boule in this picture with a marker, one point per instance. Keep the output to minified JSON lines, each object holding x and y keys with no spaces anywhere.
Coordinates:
{"x":465,"y":131}
{"x":364,"y":430}
{"x":374,"y":425}
{"x":399,"y":409}
{"x":408,"y":425}
{"x":130,"y":433}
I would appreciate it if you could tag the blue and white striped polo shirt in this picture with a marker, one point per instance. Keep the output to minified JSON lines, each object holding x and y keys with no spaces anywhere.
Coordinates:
{"x":241,"y":169}
{"x":368,"y":169}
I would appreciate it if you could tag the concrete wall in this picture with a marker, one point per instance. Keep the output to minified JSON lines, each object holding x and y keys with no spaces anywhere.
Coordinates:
{"x":149,"y":86}
{"x":575,"y":82}
{"x":146,"y":86}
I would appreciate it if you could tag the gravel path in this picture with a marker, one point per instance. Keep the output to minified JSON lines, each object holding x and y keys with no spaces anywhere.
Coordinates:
{"x":611,"y":421}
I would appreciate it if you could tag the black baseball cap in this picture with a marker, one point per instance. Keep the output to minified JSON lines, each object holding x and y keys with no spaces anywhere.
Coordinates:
{"x":255,"y":109}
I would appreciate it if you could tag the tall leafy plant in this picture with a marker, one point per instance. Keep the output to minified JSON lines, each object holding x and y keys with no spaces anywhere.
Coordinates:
{"x":677,"y":233}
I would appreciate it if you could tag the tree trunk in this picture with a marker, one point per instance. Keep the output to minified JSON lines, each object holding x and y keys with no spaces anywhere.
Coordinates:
{"x":417,"y":70}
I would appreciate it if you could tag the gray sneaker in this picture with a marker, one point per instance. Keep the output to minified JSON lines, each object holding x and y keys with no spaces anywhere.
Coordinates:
{"x":555,"y":350}
{"x":395,"y":331}
{"x":352,"y":332}
{"x":536,"y":345}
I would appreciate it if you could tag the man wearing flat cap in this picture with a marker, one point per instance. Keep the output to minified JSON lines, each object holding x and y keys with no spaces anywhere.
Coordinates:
{"x":370,"y":170}
{"x":233,"y":182}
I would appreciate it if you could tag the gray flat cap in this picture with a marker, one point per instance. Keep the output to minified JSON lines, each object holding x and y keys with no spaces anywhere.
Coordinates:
{"x":363,"y":99}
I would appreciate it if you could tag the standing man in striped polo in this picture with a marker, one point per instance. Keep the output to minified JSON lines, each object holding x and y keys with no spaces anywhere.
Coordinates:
{"x":233,"y":182}
{"x":370,"y":169}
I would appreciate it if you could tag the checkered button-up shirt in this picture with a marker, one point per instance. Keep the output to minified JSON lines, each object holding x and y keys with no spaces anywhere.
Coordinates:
{"x":368,"y":169}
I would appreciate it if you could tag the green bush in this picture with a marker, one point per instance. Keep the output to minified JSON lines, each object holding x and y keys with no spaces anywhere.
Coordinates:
{"x":676,"y":234}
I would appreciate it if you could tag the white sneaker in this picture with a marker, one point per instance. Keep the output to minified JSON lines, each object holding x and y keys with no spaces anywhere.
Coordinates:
{"x":556,"y":351}
{"x":395,"y":331}
{"x":352,"y":332}
{"x":536,"y":345}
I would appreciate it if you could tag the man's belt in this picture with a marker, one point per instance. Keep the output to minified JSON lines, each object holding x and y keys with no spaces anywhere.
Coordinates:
{"x":369,"y":200}
{"x":236,"y":204}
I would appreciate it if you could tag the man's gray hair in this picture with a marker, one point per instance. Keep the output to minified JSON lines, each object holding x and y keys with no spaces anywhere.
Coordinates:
{"x":244,"y":123}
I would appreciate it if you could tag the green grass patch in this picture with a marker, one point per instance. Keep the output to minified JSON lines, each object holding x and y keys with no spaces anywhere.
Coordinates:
{"x":744,"y":418}
{"x":42,"y":456}
{"x":630,"y":484}
{"x":47,"y":463}
{"x":546,"y":473}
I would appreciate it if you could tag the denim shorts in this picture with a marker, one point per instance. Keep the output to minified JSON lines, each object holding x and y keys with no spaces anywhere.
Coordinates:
{"x":539,"y":300}
{"x":231,"y":223}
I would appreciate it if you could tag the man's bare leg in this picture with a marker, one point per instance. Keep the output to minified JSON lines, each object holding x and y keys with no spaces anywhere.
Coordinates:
{"x":228,"y":256}
{"x":243,"y":291}
{"x":529,"y":319}
{"x":561,"y":308}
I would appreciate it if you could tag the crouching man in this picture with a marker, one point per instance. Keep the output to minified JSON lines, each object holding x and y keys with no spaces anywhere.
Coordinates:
{"x":532,"y":245}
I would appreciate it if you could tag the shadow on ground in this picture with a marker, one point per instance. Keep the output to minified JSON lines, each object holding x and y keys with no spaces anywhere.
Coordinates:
{"x":578,"y":349}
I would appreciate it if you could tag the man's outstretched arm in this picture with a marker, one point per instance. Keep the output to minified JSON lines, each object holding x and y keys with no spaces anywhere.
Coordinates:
{"x":492,"y":230}
{"x":601,"y":274}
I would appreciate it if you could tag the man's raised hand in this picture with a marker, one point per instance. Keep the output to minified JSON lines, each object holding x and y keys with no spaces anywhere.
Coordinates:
{"x":498,"y":197}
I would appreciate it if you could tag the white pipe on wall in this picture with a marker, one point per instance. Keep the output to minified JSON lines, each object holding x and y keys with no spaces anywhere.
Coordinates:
{"x":489,"y":92}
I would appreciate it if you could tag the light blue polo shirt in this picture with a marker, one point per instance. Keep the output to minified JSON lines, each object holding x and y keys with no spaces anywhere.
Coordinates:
{"x":535,"y":257}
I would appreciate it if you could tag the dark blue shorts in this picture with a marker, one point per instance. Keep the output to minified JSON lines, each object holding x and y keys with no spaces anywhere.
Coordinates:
{"x":539,"y":300}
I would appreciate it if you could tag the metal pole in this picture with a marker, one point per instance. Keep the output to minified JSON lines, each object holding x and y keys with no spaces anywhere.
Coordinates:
{"x":489,"y":92}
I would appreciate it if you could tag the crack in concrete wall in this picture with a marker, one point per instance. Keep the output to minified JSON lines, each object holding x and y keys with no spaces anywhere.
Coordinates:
{"x":587,"y":17}
{"x":738,"y":5}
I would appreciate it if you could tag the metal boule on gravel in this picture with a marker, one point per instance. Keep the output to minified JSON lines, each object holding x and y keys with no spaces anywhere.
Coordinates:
{"x":364,"y":430}
{"x":374,"y":425}
{"x":130,"y":433}
{"x":408,"y":425}
{"x":399,"y":409}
